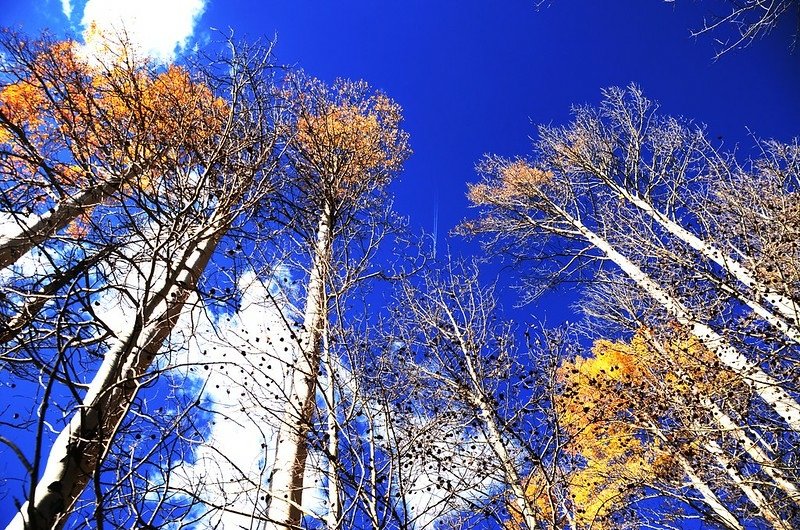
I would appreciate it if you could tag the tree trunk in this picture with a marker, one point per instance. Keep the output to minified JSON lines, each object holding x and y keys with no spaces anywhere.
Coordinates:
{"x":333,"y":516}
{"x":480,"y":402}
{"x":698,"y":484}
{"x":286,"y":481}
{"x":768,"y":466}
{"x":787,"y":308}
{"x":80,"y":448}
{"x":729,"y":426}
{"x":521,"y":501}
{"x":763,"y":384}
{"x":756,"y":497}
{"x":23,"y":238}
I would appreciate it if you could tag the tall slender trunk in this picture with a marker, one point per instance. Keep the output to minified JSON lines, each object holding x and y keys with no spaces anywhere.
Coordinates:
{"x":81,"y":447}
{"x":788,"y":310}
{"x":286,"y":481}
{"x":768,"y":466}
{"x":486,"y":416}
{"x":521,"y":501}
{"x":765,"y":509}
{"x":24,"y":236}
{"x":710,"y":498}
{"x":371,"y":490}
{"x":763,"y":384}
{"x":791,"y":332}
{"x":730,"y":427}
{"x":333,"y":515}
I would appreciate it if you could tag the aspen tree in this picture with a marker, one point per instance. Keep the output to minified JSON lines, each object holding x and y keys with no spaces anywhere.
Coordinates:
{"x":222,"y":170}
{"x":461,"y":359}
{"x":592,"y":183}
{"x":75,"y":130}
{"x":343,"y":148}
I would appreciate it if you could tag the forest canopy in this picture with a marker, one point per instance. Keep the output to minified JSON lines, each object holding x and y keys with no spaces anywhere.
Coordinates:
{"x":212,"y":316}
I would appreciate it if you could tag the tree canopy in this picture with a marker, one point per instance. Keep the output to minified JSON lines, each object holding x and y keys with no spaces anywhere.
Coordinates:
{"x":211,"y":317}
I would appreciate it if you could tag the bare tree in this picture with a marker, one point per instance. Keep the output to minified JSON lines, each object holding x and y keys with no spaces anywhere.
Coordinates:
{"x":739,"y":22}
{"x":585,"y":171}
{"x":174,"y":225}
{"x":745,"y":21}
{"x":461,"y":365}
{"x":623,"y":186}
{"x":343,"y":148}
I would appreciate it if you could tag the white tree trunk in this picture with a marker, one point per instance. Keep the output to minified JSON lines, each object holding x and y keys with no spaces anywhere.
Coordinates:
{"x":521,"y":501}
{"x":80,"y":448}
{"x":22,"y":237}
{"x":333,"y":515}
{"x":698,"y":484}
{"x":730,"y":427}
{"x":788,"y":309}
{"x":286,"y":483}
{"x":763,"y":384}
{"x":789,"y":331}
{"x":756,"y":497}
{"x":480,"y":402}
{"x":768,"y":466}
{"x":709,"y":497}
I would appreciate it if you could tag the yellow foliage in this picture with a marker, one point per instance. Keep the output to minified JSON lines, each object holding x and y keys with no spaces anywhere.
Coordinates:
{"x":602,"y":486}
{"x":600,"y":406}
{"x":597,"y":408}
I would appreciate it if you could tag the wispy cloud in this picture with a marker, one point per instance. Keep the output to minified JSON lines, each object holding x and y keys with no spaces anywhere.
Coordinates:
{"x":66,"y":8}
{"x":159,"y":28}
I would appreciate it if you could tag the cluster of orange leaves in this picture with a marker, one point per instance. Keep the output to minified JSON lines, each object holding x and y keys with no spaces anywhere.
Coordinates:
{"x":116,"y":115}
{"x":515,"y":179}
{"x":351,"y":141}
{"x":96,"y":118}
{"x":20,"y":103}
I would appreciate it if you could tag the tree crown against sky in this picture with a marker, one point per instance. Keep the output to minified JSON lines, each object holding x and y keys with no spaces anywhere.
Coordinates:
{"x":206,"y":275}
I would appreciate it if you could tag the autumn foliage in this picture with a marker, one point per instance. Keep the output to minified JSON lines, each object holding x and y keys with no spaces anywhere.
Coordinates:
{"x":170,"y":191}
{"x":70,"y":120}
{"x":596,"y":402}
{"x":345,"y":141}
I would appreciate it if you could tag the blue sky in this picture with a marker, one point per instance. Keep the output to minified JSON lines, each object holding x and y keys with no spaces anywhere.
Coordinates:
{"x":475,"y":77}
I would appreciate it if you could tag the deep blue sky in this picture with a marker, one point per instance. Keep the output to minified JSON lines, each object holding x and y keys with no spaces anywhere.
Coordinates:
{"x":474,"y":76}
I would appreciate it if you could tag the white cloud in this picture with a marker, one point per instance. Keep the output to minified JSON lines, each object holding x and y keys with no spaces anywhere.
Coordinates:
{"x":66,"y":8}
{"x":160,"y":28}
{"x":243,"y":362}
